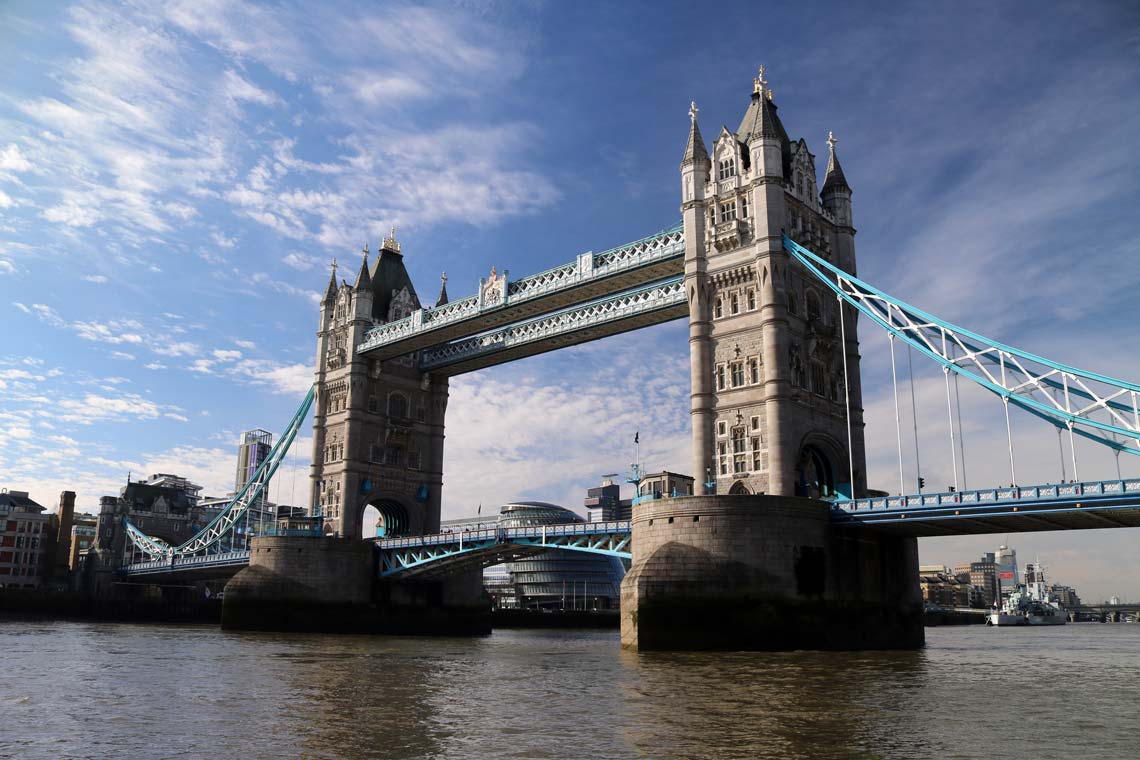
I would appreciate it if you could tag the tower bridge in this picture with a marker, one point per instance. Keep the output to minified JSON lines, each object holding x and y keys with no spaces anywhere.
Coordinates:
{"x":783,"y":534}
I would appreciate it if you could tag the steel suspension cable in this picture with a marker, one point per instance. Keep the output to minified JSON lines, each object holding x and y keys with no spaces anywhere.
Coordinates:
{"x":950,"y":416}
{"x":961,"y":436}
{"x":1008,"y":429}
{"x":914,"y":419}
{"x":898,"y":425}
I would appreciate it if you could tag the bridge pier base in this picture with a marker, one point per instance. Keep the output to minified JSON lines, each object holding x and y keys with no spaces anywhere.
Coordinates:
{"x":309,"y":583}
{"x":765,"y":573}
{"x":301,"y":583}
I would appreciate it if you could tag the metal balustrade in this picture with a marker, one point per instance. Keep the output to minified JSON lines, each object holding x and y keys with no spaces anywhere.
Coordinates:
{"x":662,"y":295}
{"x":662,"y":246}
{"x":1003,"y":495}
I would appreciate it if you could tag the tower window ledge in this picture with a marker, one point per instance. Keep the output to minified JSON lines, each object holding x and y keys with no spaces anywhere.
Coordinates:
{"x":728,"y":234}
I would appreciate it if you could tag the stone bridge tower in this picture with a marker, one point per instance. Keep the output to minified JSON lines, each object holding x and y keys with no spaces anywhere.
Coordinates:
{"x":768,"y":393}
{"x":377,"y":425}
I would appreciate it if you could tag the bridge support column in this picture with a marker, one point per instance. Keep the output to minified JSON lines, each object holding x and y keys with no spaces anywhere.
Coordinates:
{"x":301,"y":583}
{"x":309,"y":583}
{"x":765,"y":573}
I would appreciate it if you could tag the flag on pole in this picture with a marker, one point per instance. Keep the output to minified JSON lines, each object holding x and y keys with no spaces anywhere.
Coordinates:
{"x":480,"y":510}
{"x":637,"y":437}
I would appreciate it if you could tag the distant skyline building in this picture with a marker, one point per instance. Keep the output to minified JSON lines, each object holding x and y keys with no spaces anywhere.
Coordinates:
{"x":253,"y":450}
{"x":1006,"y":561}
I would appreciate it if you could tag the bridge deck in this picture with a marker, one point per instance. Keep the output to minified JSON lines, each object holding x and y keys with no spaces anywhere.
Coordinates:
{"x":592,"y":276}
{"x":1016,"y":509}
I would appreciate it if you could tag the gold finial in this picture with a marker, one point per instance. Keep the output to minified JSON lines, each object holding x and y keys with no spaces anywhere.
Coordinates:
{"x":443,"y":277}
{"x":334,"y":266}
{"x":759,"y":86}
{"x":831,"y":141}
{"x":390,"y":242}
{"x":365,"y":250}
{"x":693,"y":111}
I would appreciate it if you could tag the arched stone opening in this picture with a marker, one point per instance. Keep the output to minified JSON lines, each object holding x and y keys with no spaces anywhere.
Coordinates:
{"x":815,"y":472}
{"x":393,"y":519}
{"x":739,"y":489}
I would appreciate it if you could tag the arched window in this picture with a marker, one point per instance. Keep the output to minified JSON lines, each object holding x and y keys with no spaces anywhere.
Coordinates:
{"x":813,"y":308}
{"x":752,"y":300}
{"x":718,"y":311}
{"x":793,"y":303}
{"x":735,"y":304}
{"x":397,"y":405}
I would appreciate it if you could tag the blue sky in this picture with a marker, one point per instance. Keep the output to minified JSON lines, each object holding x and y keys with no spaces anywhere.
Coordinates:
{"x":176,"y":176}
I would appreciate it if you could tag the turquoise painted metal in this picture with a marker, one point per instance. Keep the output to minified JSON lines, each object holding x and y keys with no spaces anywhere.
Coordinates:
{"x":212,"y":536}
{"x":1063,"y":396}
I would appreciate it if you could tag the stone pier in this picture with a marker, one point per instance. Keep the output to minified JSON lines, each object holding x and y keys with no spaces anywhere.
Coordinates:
{"x":308,"y":583}
{"x":765,"y":573}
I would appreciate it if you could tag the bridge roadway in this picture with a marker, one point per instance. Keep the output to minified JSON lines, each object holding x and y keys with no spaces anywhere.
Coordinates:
{"x":1014,"y":509}
{"x":1017,"y":509}
{"x":592,"y":276}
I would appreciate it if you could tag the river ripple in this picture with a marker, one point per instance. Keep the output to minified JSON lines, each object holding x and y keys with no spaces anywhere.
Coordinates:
{"x":78,"y":690}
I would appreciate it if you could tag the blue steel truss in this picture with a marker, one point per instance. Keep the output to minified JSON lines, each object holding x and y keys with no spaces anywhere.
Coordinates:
{"x":1063,"y":396}
{"x":211,"y":537}
{"x":481,"y":548}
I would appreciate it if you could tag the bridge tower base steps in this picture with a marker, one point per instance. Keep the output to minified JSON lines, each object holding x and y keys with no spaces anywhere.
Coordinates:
{"x":324,"y":584}
{"x":765,"y":573}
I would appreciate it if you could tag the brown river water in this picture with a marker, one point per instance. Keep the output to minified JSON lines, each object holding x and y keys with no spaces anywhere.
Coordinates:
{"x":92,"y":690}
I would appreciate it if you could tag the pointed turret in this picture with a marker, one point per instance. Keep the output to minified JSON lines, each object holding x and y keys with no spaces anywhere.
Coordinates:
{"x":695,"y":151}
{"x":330,"y":291}
{"x":442,"y":290}
{"x":834,"y":179}
{"x":363,"y":279}
{"x":394,"y":294}
{"x":763,"y":133}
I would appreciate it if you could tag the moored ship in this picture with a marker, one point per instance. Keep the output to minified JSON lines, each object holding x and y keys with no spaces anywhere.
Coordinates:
{"x":1029,"y":604}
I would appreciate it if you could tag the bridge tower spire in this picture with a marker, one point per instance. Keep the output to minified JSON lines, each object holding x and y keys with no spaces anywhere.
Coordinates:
{"x":766,"y":362}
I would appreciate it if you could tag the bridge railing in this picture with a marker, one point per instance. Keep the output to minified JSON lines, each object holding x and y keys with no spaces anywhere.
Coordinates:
{"x":505,"y":534}
{"x":1004,"y":494}
{"x":662,"y":245}
{"x":187,"y":562}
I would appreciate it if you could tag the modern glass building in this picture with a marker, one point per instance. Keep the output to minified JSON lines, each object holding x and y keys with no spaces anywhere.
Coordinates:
{"x":553,"y":580}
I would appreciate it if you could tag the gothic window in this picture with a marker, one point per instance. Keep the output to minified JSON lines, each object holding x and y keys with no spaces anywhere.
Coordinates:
{"x":756,"y":454}
{"x":421,"y":413}
{"x":735,"y":301}
{"x":722,"y":428}
{"x":712,"y":216}
{"x":727,"y":168}
{"x":737,"y":374}
{"x":751,"y":300}
{"x":754,"y":423}
{"x":413,"y":460}
{"x":397,"y":405}
{"x":375,"y":453}
{"x":722,"y":449}
{"x":393,"y":455}
{"x":818,"y":385}
{"x":813,"y":309}
{"x":718,"y":309}
{"x":720,"y":377}
{"x":738,"y":440}
{"x":744,"y":207}
{"x":373,"y":404}
{"x":793,"y":303}
{"x":754,"y":370}
{"x":727,"y":211}
{"x":739,"y":453}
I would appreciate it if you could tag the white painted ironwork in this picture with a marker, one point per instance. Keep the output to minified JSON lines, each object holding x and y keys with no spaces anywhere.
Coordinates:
{"x":663,"y":246}
{"x":1062,"y":395}
{"x":661,"y":295}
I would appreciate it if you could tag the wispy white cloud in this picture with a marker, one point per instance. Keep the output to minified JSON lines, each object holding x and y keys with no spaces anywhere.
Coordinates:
{"x":12,"y":159}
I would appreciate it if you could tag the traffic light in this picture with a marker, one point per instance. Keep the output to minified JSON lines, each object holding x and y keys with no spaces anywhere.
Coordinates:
{"x":921,"y":482}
